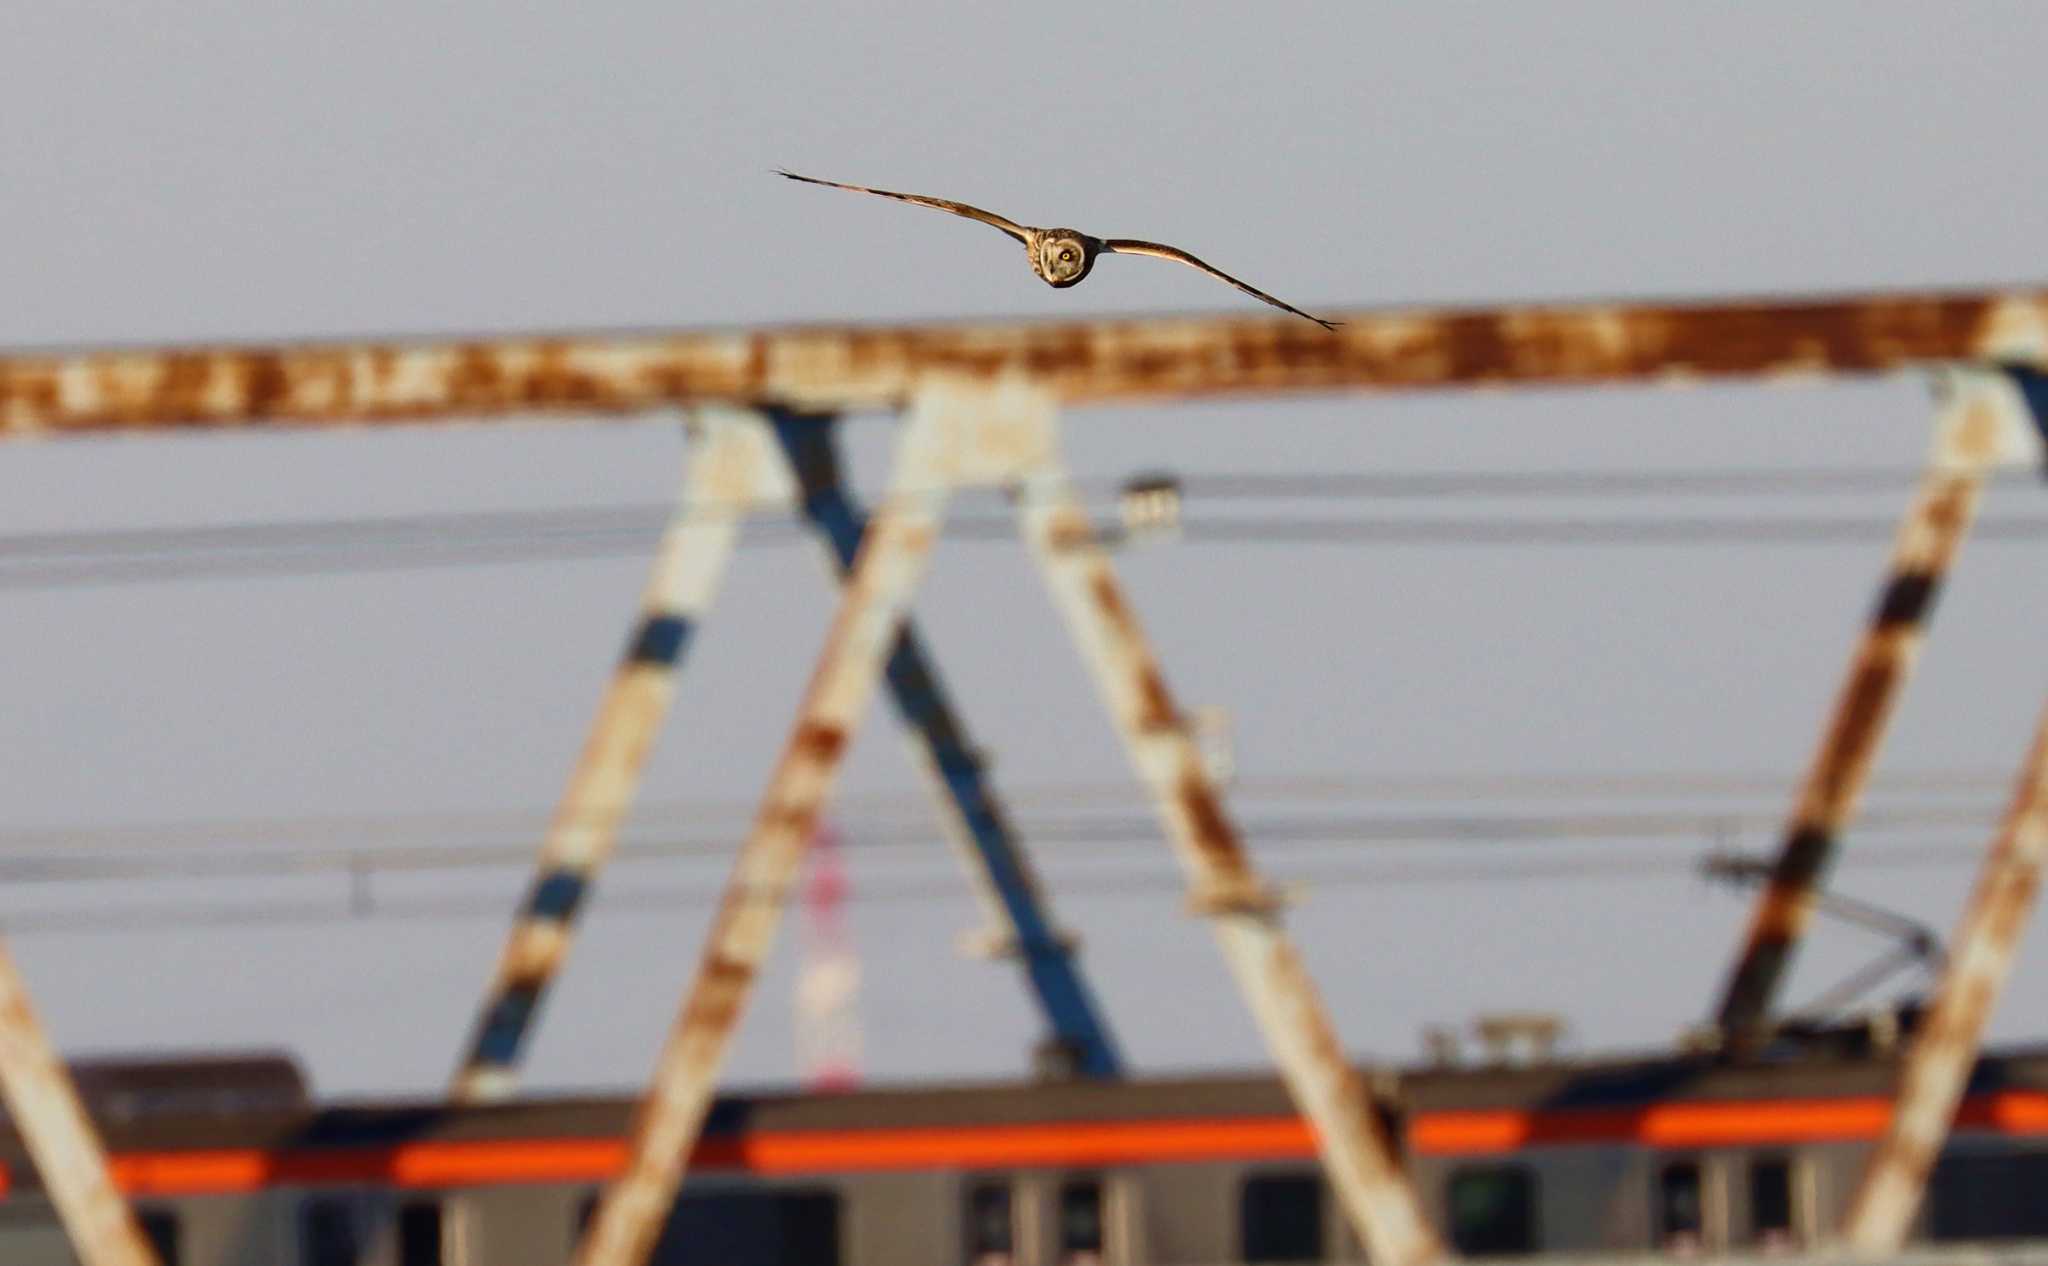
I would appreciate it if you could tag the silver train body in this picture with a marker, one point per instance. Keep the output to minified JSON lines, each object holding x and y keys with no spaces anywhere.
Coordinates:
{"x":230,"y":1164}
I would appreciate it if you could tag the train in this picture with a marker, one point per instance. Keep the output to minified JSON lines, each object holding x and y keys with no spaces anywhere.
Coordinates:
{"x":230,"y":1161}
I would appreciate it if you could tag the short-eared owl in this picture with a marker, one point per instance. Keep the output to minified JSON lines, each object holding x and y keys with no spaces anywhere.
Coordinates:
{"x":1062,"y":257}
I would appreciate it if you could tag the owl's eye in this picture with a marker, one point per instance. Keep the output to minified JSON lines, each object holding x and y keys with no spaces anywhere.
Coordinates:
{"x":1066,"y":257}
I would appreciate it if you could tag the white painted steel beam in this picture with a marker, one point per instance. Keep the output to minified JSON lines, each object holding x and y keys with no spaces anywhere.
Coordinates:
{"x":734,"y":469}
{"x":70,"y":1161}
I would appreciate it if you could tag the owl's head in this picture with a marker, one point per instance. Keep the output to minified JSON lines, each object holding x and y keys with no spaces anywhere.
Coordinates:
{"x":1062,"y":256}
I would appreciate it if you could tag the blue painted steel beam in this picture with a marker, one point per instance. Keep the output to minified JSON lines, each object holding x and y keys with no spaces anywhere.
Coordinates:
{"x":920,"y":698}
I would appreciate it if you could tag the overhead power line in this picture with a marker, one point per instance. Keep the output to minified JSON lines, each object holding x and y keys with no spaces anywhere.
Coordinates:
{"x":357,"y":904}
{"x":88,"y":559}
{"x":27,"y":857}
{"x":67,"y":558}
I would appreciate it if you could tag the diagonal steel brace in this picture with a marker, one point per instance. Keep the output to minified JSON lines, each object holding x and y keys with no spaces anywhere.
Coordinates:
{"x":1976,"y":429}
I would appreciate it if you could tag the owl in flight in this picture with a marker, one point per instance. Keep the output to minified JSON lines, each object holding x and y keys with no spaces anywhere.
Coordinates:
{"x":1062,"y":257}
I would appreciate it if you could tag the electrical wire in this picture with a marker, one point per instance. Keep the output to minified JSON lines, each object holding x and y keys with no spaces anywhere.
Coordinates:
{"x":883,"y":811}
{"x":68,"y":558}
{"x":52,"y":857}
{"x":618,"y":896}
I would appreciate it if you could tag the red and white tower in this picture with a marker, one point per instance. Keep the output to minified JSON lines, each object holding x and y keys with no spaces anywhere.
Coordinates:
{"x":828,"y":984}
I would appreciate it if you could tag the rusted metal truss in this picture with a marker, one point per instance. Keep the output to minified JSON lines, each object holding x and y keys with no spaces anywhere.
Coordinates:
{"x":963,"y":433}
{"x":733,"y":471}
{"x":1982,"y":423}
{"x":746,"y":463}
{"x":1939,"y":1060}
{"x":1076,"y":362}
{"x":1362,"y":1160}
{"x":893,"y":556}
{"x":1019,"y":924}
{"x":2008,"y":415}
{"x":980,"y":399}
{"x":45,"y":1108}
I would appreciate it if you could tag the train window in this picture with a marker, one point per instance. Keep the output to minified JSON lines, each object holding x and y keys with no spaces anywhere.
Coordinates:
{"x":1493,"y":1210}
{"x":327,"y":1234}
{"x":810,"y":1228}
{"x":419,"y":1233}
{"x":1681,"y":1213}
{"x":1280,"y":1218}
{"x":1770,"y":1201}
{"x":751,"y":1228}
{"x":991,"y":1225}
{"x":1988,"y":1197}
{"x":1080,"y":1223}
{"x":160,"y":1228}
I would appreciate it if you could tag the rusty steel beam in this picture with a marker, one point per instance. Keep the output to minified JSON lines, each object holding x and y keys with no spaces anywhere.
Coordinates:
{"x":1938,"y":1062}
{"x":733,"y":470}
{"x":1361,"y":1158}
{"x":1078,"y":362}
{"x":951,"y":436}
{"x":46,"y":1111}
{"x":1982,"y":423}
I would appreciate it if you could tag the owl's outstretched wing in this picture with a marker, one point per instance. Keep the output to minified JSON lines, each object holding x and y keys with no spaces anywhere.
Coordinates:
{"x":989,"y":218}
{"x":1130,"y":246}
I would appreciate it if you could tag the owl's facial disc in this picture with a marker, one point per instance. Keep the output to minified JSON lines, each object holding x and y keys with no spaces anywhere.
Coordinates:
{"x":1064,"y":257}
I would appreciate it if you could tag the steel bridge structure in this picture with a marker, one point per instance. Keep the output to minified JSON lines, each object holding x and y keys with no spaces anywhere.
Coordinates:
{"x":981,"y":405}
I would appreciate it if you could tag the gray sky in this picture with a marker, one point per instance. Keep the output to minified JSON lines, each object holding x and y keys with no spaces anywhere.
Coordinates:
{"x":221,"y":170}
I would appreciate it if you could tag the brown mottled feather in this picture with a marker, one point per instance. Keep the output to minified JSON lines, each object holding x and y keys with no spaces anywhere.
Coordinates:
{"x":1131,"y":246}
{"x":957,"y":208}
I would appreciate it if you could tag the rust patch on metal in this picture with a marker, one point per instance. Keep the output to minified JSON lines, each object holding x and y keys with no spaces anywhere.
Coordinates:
{"x":265,"y":385}
{"x":1210,"y":831}
{"x":1102,"y":587}
{"x":1948,"y":512}
{"x":1974,"y":1000}
{"x":1916,"y":1156}
{"x":1782,"y":914}
{"x":818,"y":741}
{"x":1155,"y":706}
{"x":720,"y":993}
{"x":557,"y":381}
{"x":2009,"y":902}
{"x":1067,"y":530}
{"x":1156,"y":711}
{"x":1077,"y":362}
{"x":756,"y":372}
{"x":477,"y":380}
{"x":28,"y":390}
{"x":1854,"y":734}
{"x":791,"y":817}
{"x":530,"y":963}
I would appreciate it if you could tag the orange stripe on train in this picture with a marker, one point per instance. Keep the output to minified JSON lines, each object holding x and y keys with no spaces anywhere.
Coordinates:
{"x":441,"y":1163}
